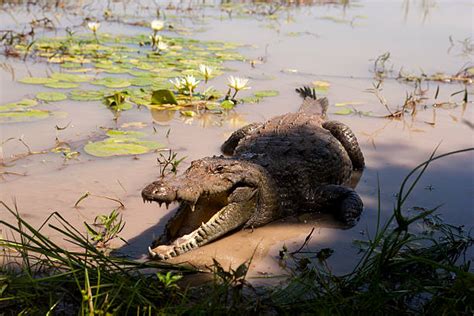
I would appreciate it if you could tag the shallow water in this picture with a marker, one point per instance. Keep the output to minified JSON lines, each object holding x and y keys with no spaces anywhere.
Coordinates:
{"x":331,"y":43}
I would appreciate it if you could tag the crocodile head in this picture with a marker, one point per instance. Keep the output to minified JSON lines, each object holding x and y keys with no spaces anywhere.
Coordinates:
{"x":215,"y":196}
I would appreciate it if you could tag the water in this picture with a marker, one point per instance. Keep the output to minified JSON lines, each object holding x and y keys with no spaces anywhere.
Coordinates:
{"x":332,"y":43}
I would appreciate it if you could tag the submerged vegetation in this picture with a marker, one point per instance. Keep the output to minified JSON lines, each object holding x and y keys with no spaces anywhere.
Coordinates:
{"x":411,"y":265}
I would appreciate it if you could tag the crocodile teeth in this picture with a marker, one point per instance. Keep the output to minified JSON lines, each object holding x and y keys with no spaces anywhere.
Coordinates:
{"x":193,"y":207}
{"x":201,"y":232}
{"x":167,"y":205}
{"x":151,"y":252}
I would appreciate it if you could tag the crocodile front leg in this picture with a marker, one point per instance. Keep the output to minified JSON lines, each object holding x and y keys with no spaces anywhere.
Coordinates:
{"x":346,"y":137}
{"x":344,"y":202}
{"x":231,"y":143}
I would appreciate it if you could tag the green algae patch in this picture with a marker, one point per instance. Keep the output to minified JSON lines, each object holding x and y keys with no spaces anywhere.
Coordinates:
{"x":37,"y":80}
{"x":121,"y":143}
{"x":266,"y":93}
{"x":51,"y":96}
{"x":23,"y":116}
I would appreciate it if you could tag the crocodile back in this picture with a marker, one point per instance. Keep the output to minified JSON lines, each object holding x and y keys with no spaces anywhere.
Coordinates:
{"x":299,"y":154}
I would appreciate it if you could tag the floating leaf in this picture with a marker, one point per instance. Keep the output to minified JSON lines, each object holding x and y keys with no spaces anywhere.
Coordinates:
{"x":20,"y":105}
{"x":188,"y":113}
{"x":86,"y":95}
{"x":227,"y":104}
{"x":142,"y":81}
{"x":163,"y":96}
{"x":62,"y":85}
{"x":321,"y":87}
{"x":118,"y":146}
{"x":37,"y":80}
{"x":127,"y":134}
{"x":251,"y":99}
{"x":51,"y":96}
{"x":23,"y":116}
{"x":112,"y":82}
{"x":60,"y":76}
{"x":348,"y":103}
{"x":266,"y":93}
{"x":344,"y":111}
{"x":321,"y":84}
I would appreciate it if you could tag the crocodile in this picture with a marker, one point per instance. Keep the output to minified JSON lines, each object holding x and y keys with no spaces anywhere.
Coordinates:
{"x":293,"y":163}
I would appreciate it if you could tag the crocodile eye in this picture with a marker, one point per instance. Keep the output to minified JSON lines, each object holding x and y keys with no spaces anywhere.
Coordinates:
{"x":219,"y":168}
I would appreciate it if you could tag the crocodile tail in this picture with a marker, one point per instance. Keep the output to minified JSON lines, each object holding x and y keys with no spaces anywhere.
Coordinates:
{"x":311,"y":104}
{"x":307,"y":92}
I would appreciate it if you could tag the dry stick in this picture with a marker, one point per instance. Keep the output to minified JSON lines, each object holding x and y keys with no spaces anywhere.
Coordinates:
{"x":12,"y":173}
{"x":306,"y":241}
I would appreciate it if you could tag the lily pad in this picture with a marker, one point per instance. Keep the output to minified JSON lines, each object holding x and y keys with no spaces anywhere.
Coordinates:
{"x":227,"y":104}
{"x":163,"y":96}
{"x":266,"y":93}
{"x":37,"y":80}
{"x":112,"y":82}
{"x":126,"y":134}
{"x":251,"y":99}
{"x":321,"y":87}
{"x":51,"y":96}
{"x":120,"y":146}
{"x":348,"y":103}
{"x":23,"y":116}
{"x":188,"y":113}
{"x":142,"y":81}
{"x":344,"y":111}
{"x":71,"y":77}
{"x":86,"y":95}
{"x":20,"y":105}
{"x":61,"y":85}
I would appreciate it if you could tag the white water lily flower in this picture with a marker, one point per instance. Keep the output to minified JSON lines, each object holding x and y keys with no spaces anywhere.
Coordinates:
{"x":205,"y":70}
{"x":157,"y":25}
{"x":178,"y":83}
{"x":190,"y":82}
{"x":162,"y":45}
{"x":238,"y":83}
{"x":93,"y":26}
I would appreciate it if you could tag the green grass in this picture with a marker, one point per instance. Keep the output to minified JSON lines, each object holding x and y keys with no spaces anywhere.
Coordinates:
{"x":411,"y":265}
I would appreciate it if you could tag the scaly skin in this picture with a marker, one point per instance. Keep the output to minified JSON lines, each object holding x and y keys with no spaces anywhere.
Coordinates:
{"x":293,"y":163}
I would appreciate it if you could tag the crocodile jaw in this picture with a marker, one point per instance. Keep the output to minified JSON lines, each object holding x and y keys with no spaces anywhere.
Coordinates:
{"x":218,"y":214}
{"x":216,"y":196}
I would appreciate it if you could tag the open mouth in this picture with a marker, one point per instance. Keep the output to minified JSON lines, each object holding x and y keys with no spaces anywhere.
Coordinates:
{"x":201,"y":217}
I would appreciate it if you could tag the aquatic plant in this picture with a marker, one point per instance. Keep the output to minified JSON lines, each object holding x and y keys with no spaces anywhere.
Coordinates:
{"x":206,"y":71}
{"x":237,"y":84}
{"x":94,"y":26}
